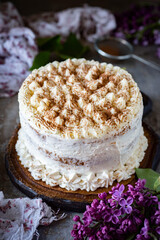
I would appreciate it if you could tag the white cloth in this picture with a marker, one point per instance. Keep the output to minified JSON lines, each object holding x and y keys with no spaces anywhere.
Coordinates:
{"x":87,"y":22}
{"x":18,"y":46}
{"x":9,"y":17}
{"x":17,"y":50}
{"x":20,"y":217}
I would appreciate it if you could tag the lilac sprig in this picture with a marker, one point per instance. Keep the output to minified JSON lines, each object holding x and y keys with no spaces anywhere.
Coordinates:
{"x":131,"y":214}
{"x":140,"y":25}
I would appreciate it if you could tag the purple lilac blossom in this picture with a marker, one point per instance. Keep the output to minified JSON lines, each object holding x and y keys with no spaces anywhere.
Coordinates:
{"x":134,"y":211}
{"x":158,"y":52}
{"x":137,"y":29}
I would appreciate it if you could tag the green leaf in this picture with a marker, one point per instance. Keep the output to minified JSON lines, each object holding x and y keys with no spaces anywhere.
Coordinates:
{"x":50,"y":44}
{"x":153,"y":236}
{"x":157,"y":185}
{"x":42,"y":41}
{"x":131,"y":237}
{"x":158,"y":197}
{"x":72,"y":48}
{"x":41,"y":59}
{"x":148,"y":174}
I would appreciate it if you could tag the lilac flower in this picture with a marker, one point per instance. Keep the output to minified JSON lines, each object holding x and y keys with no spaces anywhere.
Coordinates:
{"x":117,"y":194}
{"x":144,"y":231}
{"x":92,"y":238}
{"x":137,"y":219}
{"x":76,"y":218}
{"x":158,"y":52}
{"x":140,"y":184}
{"x":158,"y":230}
{"x":95,"y":203}
{"x":114,"y":188}
{"x":120,"y":35}
{"x":157,"y":37}
{"x":145,"y":42}
{"x":126,"y":205}
{"x":137,"y":29}
{"x":87,"y":218}
{"x":102,"y":195}
{"x":104,"y":229}
{"x":150,"y":200}
{"x":156,"y":217}
{"x":135,"y":41}
{"x":122,"y":215}
{"x":112,"y":216}
{"x":125,"y":225}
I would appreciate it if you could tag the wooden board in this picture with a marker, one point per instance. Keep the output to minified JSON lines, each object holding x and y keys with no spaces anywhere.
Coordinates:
{"x":58,"y":197}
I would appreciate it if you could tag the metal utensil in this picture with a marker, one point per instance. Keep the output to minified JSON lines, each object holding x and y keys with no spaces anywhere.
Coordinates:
{"x":124,"y":50}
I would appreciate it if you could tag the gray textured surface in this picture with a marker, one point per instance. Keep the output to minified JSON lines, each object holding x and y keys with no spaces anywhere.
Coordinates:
{"x":148,"y":81}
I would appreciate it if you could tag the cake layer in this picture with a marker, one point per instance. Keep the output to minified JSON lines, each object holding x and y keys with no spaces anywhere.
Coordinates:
{"x":70,"y":178}
{"x":83,"y":154}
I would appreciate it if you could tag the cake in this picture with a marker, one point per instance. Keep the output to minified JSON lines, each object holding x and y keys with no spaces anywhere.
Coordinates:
{"x":81,"y":124}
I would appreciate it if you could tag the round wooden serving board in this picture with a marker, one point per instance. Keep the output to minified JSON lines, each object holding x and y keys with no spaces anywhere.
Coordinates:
{"x":59,"y":197}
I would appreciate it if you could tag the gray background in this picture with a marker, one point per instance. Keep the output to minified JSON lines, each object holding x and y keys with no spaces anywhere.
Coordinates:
{"x":147,"y":79}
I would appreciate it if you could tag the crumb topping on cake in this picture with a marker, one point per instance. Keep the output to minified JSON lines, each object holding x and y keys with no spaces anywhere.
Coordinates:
{"x":79,"y":98}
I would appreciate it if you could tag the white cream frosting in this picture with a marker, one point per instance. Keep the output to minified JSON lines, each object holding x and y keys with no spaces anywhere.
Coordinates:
{"x":104,"y":160}
{"x":94,"y":153}
{"x":78,"y":99}
{"x":81,"y":124}
{"x":72,"y":178}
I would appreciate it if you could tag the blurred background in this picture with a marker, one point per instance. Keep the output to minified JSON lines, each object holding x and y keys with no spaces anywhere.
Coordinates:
{"x":11,"y":77}
{"x":35,"y":6}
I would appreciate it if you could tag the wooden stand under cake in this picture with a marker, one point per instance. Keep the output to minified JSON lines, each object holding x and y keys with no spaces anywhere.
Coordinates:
{"x":59,"y":197}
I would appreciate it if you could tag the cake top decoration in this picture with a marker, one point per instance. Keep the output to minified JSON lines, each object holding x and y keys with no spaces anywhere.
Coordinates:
{"x":79,"y":98}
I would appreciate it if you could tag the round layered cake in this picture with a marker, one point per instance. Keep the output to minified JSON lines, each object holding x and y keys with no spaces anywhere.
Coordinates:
{"x":81,"y":124}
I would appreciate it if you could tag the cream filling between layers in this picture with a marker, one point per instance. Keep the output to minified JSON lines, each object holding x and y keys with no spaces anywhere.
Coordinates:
{"x":94,"y":154}
{"x":70,"y":178}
